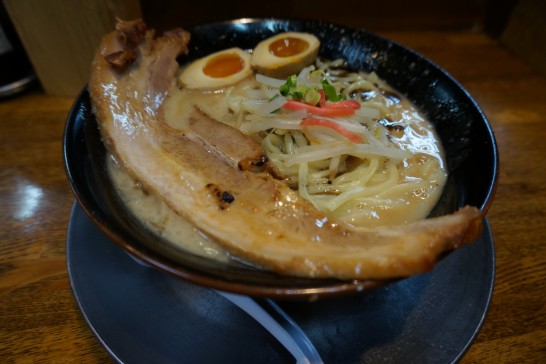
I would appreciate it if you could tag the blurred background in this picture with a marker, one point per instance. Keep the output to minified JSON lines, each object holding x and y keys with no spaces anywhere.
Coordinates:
{"x":371,"y":15}
{"x":60,"y":36}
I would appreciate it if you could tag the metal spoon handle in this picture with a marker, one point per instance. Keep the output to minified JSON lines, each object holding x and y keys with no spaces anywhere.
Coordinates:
{"x":280,"y":325}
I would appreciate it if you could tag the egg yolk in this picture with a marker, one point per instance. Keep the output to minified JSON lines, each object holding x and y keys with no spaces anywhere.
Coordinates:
{"x":287,"y":47}
{"x":224,"y":65}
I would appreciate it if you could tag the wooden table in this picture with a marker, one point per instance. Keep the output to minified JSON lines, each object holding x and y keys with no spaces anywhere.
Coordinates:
{"x":39,"y":319}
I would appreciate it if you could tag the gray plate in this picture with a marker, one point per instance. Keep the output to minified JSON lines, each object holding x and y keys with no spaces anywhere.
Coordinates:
{"x":142,"y":315}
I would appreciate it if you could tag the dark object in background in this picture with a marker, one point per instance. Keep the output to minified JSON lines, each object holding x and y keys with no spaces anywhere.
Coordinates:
{"x":16,"y":72}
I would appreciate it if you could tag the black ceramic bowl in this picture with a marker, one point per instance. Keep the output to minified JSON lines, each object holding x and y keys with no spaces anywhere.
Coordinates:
{"x":464,"y":131}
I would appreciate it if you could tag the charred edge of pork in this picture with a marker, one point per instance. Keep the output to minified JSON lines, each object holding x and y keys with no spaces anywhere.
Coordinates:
{"x":253,"y":164}
{"x":224,"y":198}
{"x":131,"y":34}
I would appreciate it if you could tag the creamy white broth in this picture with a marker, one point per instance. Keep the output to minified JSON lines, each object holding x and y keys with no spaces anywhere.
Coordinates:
{"x":419,"y":182}
{"x":161,"y":219}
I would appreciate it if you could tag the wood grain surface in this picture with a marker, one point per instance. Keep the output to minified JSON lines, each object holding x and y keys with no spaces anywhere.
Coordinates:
{"x":60,"y":36}
{"x":40,"y":321}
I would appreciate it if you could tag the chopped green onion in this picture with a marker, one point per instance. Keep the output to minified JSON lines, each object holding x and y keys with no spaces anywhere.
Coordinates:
{"x":273,"y":97}
{"x":307,"y":94}
{"x":330,"y":91}
{"x":296,"y":95}
{"x":288,"y":85}
{"x":312,"y":97}
{"x":316,"y":74}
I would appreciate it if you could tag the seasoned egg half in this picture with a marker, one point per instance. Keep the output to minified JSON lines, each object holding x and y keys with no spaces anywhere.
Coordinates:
{"x":217,"y":70}
{"x":285,"y":54}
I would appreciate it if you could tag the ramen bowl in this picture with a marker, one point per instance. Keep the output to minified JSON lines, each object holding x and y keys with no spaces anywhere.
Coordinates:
{"x":464,"y":131}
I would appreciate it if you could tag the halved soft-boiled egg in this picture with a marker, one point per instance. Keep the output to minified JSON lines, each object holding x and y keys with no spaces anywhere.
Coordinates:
{"x":285,"y":54}
{"x":217,"y":70}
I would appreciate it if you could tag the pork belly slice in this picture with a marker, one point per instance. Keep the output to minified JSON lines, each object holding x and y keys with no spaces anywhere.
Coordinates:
{"x":253,"y":214}
{"x":229,"y":144}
